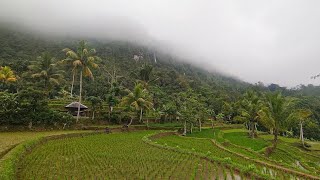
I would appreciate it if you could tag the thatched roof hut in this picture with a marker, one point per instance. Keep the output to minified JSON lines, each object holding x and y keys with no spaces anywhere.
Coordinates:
{"x":73,"y":108}
{"x":76,"y":105}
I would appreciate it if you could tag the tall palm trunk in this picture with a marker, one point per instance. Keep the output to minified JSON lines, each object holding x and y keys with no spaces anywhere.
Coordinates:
{"x":301,"y":134}
{"x":185,"y":128}
{"x":78,"y":114}
{"x":212,"y":125}
{"x":130,"y":121}
{"x":73,"y":74}
{"x":147,"y":123}
{"x":275,"y":140}
{"x":199,"y":125}
{"x":252,"y":130}
{"x":93,"y":112}
{"x":140,"y":115}
{"x":110,"y":112}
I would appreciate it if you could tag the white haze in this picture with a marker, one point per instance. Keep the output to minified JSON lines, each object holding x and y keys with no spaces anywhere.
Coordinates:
{"x":273,"y":41}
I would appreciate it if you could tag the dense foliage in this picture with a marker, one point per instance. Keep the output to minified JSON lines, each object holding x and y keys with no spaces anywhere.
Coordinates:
{"x":132,"y":83}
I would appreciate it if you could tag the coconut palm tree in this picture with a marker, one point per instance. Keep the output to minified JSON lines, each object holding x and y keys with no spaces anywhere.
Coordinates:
{"x":83,"y":59}
{"x":7,"y":75}
{"x":69,"y":63}
{"x":45,"y":69}
{"x":138,"y":99}
{"x":276,"y":113}
{"x":249,"y":108}
{"x":301,"y":115}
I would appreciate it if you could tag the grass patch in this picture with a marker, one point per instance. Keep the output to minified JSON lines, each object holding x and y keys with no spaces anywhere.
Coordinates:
{"x":205,"y":133}
{"x":241,"y":138}
{"x":166,"y":125}
{"x":8,"y":139}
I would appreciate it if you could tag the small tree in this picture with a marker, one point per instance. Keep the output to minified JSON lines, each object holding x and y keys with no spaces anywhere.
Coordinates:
{"x":95,"y":103}
{"x":276,"y":113}
{"x":45,"y":70}
{"x":7,"y":75}
{"x":212,"y":115}
{"x":137,"y":99}
{"x":188,"y":103}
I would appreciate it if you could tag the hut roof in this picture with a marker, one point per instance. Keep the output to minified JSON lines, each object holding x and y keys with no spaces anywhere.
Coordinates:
{"x":76,"y":105}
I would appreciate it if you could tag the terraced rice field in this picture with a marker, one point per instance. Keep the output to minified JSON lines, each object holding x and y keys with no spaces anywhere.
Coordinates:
{"x":9,"y":139}
{"x":114,"y":156}
{"x":140,"y":155}
{"x":205,"y":146}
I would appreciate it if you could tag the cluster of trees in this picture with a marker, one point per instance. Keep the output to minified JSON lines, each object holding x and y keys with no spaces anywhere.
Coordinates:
{"x":29,"y":107}
{"x":272,"y":111}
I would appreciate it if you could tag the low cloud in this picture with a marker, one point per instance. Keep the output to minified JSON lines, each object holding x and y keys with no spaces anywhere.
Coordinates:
{"x":268,"y":41}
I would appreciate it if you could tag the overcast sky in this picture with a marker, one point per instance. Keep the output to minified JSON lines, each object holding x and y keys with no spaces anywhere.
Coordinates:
{"x":255,"y":40}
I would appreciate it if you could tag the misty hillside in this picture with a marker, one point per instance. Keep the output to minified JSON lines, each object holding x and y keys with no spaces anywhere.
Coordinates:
{"x":19,"y":49}
{"x":122,"y":65}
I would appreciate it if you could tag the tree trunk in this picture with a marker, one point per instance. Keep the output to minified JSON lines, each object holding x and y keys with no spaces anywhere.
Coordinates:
{"x":212,"y":125}
{"x":120,"y":119}
{"x":110,"y":112}
{"x":147,"y":123}
{"x":78,"y":114}
{"x":93,"y":115}
{"x":275,"y":140}
{"x":191,"y":128}
{"x":140,"y":115}
{"x":252,"y":130}
{"x":301,"y":134}
{"x":185,"y":128}
{"x":73,"y":74}
{"x":30,"y":125}
{"x":130,"y":122}
{"x":199,"y":125}
{"x":64,"y":125}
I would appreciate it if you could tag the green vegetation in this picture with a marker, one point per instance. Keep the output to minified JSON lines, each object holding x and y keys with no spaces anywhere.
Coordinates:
{"x":241,"y":138}
{"x":205,"y":133}
{"x":243,"y":158}
{"x":9,"y":139}
{"x":205,"y":146}
{"x":98,"y":156}
{"x":165,"y":125}
{"x":123,"y":86}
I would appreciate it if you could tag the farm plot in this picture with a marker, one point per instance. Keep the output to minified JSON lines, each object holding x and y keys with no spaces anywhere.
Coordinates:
{"x":205,"y":146}
{"x":9,"y":139}
{"x":113,"y":156}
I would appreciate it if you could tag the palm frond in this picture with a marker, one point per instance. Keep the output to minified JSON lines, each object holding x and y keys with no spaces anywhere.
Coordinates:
{"x":77,"y":63}
{"x":88,"y":73}
{"x":72,"y":54}
{"x":54,"y":81}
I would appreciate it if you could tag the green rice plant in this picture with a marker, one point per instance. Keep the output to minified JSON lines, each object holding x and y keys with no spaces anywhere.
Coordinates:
{"x":112,"y":156}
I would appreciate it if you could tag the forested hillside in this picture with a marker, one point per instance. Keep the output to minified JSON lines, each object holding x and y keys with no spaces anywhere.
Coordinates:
{"x":175,"y":89}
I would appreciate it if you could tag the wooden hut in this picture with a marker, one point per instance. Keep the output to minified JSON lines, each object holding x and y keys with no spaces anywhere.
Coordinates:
{"x":73,"y":108}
